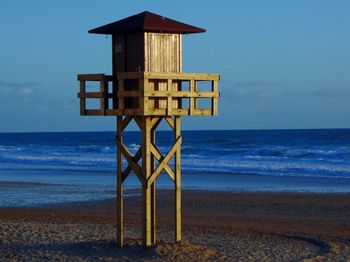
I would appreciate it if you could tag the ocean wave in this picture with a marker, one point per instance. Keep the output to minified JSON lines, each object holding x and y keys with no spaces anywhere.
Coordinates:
{"x":277,"y":152}
{"x":270,"y":166}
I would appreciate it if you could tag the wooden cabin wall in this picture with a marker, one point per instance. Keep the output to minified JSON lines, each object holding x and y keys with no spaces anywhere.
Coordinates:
{"x":118,"y":54}
{"x":163,"y":53}
{"x":149,"y":52}
{"x":135,"y":61}
{"x":128,"y":56}
{"x":128,"y":52}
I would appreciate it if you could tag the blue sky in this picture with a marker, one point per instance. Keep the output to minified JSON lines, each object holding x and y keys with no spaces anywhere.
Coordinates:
{"x":284,"y":64}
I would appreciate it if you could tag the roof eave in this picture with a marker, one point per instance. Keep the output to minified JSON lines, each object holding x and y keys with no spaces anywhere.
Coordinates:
{"x":155,"y":30}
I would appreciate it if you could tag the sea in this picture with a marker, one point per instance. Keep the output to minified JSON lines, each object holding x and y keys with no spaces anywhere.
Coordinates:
{"x":45,"y":168}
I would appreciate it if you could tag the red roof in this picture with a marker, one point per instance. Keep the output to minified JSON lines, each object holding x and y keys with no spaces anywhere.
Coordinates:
{"x":146,"y":22}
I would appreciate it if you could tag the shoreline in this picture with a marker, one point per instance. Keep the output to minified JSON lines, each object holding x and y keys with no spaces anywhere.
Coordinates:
{"x":50,"y":194}
{"x":217,"y":226}
{"x":66,"y":188}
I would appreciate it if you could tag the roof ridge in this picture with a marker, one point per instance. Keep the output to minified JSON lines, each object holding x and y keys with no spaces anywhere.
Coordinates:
{"x":148,"y":22}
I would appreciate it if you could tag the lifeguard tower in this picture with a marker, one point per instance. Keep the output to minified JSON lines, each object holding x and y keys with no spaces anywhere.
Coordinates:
{"x":148,"y":86}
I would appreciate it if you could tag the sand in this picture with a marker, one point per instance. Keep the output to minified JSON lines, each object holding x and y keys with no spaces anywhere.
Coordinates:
{"x":217,"y":226}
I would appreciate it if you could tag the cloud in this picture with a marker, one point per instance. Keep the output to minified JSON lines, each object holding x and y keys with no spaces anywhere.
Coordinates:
{"x":250,"y":84}
{"x":30,"y":95}
{"x":320,"y":93}
{"x":247,"y":90}
{"x":26,"y":95}
{"x":20,"y":84}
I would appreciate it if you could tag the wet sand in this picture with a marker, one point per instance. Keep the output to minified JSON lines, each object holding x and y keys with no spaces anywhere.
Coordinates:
{"x":217,"y":226}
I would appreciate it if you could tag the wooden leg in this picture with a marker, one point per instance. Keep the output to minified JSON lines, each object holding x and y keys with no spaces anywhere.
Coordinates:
{"x":146,"y":196}
{"x":153,"y":191}
{"x":153,"y":212}
{"x":146,"y":190}
{"x":120,"y":226}
{"x":177,"y":183}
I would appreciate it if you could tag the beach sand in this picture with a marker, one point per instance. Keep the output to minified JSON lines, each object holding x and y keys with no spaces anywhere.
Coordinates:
{"x":217,"y":226}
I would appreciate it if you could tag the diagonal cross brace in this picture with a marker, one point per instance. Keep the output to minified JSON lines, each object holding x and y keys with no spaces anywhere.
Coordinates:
{"x":159,"y":157}
{"x":136,"y":159}
{"x":165,"y":161}
{"x":135,"y":167}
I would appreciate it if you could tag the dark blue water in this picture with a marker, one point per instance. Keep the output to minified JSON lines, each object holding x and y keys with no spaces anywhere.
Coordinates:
{"x":259,"y":160}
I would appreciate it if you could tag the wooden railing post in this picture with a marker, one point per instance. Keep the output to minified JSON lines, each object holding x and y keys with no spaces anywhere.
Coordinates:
{"x":214,"y":100}
{"x":192,"y":89}
{"x":103,"y":96}
{"x":120,"y":99}
{"x":82,"y":98}
{"x":170,"y":99}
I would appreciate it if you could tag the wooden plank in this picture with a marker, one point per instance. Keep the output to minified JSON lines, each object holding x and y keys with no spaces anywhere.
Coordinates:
{"x":156,"y":112}
{"x":165,"y":161}
{"x":184,"y":94}
{"x":94,"y":95}
{"x":147,"y":104}
{"x":120,"y":89}
{"x":178,"y":210}
{"x":109,"y":78}
{"x":138,"y":121}
{"x":140,"y":100}
{"x":146,"y":202}
{"x":162,"y":102}
{"x":155,"y":151}
{"x":92,"y":112}
{"x":135,"y":167}
{"x":214,"y":101}
{"x":181,"y":76}
{"x":120,"y":211}
{"x":103,"y":102}
{"x":128,"y":169}
{"x":170,"y":100}
{"x":192,"y":89}
{"x":94,"y":77}
{"x":181,"y":112}
{"x":126,"y":121}
{"x":201,"y":112}
{"x":153,"y":122}
{"x":112,"y":112}
{"x":129,"y":94}
{"x":90,"y":95}
{"x":170,"y":121}
{"x":90,"y":77}
{"x":146,"y":189}
{"x":132,"y":112}
{"x":180,"y":53}
{"x":82,"y":99}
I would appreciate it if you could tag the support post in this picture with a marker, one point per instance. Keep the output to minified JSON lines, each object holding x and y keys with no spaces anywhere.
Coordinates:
{"x":148,"y":173}
{"x":146,"y":189}
{"x":120,"y":222}
{"x":153,"y":190}
{"x":177,"y":133}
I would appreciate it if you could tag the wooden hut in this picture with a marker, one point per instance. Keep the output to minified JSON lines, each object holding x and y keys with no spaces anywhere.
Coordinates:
{"x":148,"y":86}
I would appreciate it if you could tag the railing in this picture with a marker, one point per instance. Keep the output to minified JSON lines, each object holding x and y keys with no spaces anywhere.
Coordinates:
{"x":149,"y":93}
{"x":103,"y":95}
